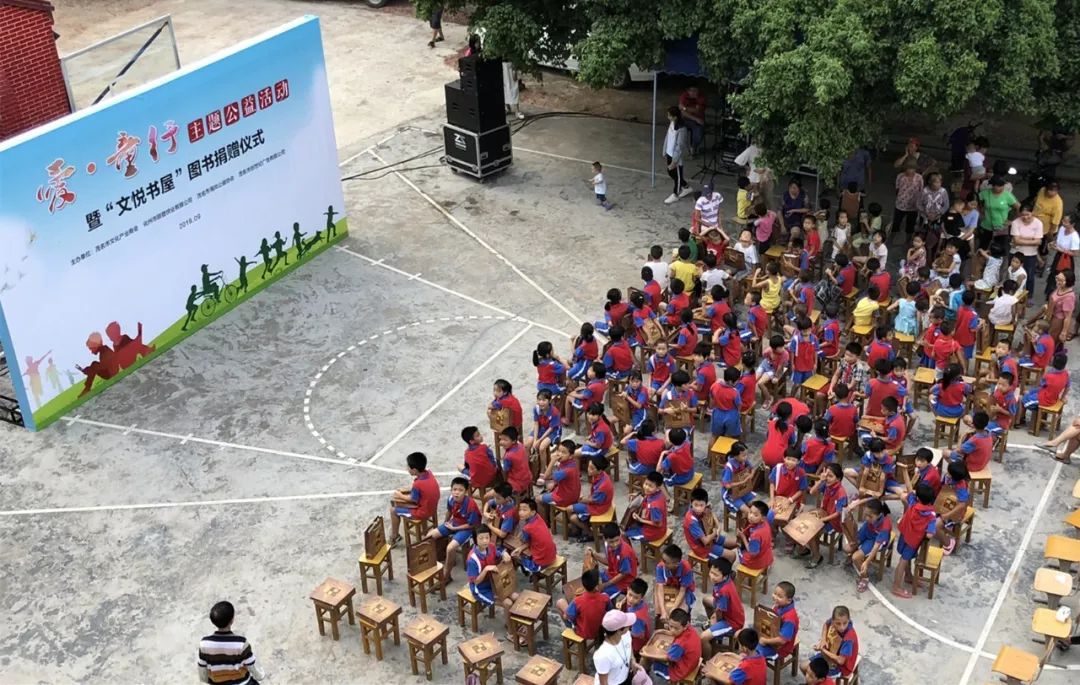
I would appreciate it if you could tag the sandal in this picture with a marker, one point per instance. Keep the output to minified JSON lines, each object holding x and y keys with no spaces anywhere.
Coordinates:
{"x":902,"y":593}
{"x":814,"y":563}
{"x":394,"y":541}
{"x":862,"y":585}
{"x":1062,"y":458}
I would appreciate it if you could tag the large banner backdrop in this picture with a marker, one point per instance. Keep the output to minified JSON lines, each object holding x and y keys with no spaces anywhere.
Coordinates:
{"x":130,"y":225}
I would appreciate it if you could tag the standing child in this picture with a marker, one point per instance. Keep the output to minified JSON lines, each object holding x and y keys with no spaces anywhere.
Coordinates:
{"x":841,"y":234}
{"x":995,"y":260}
{"x":804,"y":352}
{"x":726,"y":403}
{"x":918,"y":523}
{"x":946,"y":350}
{"x":599,"y":185}
{"x":967,"y":325}
{"x":906,"y":321}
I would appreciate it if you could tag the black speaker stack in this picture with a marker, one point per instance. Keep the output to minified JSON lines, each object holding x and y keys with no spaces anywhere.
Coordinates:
{"x":476,"y":135}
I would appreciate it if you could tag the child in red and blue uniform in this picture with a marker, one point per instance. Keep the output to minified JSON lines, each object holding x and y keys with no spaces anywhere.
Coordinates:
{"x":638,"y":399}
{"x":681,"y":392}
{"x":737,"y":463}
{"x":504,"y":399}
{"x":967,"y":324}
{"x":600,"y":433}
{"x":918,"y":523}
{"x":845,"y":277}
{"x":752,"y":669}
{"x":462,"y":515}
{"x":479,"y":465}
{"x":730,"y":342}
{"x":644,"y":449}
{"x":641,"y":312}
{"x":724,"y":610}
{"x":641,"y":631}
{"x":1053,"y":386}
{"x":547,"y":425}
{"x":780,"y":435}
{"x":817,"y":449}
{"x":650,"y":524}
{"x":977,"y":449}
{"x":620,"y":559}
{"x":930,"y":337}
{"x":419,"y":502}
{"x":946,"y":350}
{"x":880,"y":387}
{"x":842,"y":662}
{"x":756,"y":540}
{"x":704,"y":371}
{"x":829,"y":340}
{"x":876,"y":454}
{"x":1042,"y":347}
{"x":564,"y":488}
{"x":660,"y":366}
{"x":684,"y":653}
{"x":895,"y":426}
{"x":678,"y":301}
{"x":593,"y":392}
{"x":833,"y":501}
{"x":651,"y":287}
{"x":515,"y":461}
{"x":709,"y":546}
{"x":1005,"y":361}
{"x":875,"y":535}
{"x":788,"y":480}
{"x":1005,"y":404}
{"x":585,"y":613}
{"x":687,"y":338}
{"x":539,"y":552}
{"x":677,"y":464}
{"x":481,"y":563}
{"x":716,"y":312}
{"x":726,"y":404}
{"x":614,"y":310}
{"x":880,"y":277}
{"x":674,"y":571}
{"x":757,"y":318}
{"x":947,"y":396}
{"x":502,"y":511}
{"x":600,"y":499}
{"x":880,"y":347}
{"x":619,"y":358}
{"x":586,"y":351}
{"x":956,"y":479}
{"x":783,"y":606}
{"x":925,"y":471}
{"x":804,"y":352}
{"x":804,"y":290}
{"x":842,"y":416}
{"x":550,"y":370}
{"x":747,"y":384}
{"x":902,"y":379}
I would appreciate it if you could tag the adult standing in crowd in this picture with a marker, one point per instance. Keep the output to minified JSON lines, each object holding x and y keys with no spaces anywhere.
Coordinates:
{"x":796,"y":204}
{"x":1027,"y":233}
{"x":856,"y":169}
{"x":1065,"y":250}
{"x":435,"y":23}
{"x":1049,"y":209}
{"x":995,"y":203}
{"x":1060,"y":308}
{"x":913,"y":154}
{"x":692,"y":106}
{"x":909,"y":185}
{"x":761,"y":178}
{"x":676,"y":143}
{"x":932,"y":204}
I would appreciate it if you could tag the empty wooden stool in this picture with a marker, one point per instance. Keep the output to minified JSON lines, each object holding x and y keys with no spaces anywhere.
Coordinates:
{"x":466,"y":602}
{"x":574,"y":648}
{"x":986,"y":357}
{"x":375,"y":567}
{"x":378,"y":622}
{"x":701,"y":570}
{"x":1065,"y":550}
{"x":551,"y":576}
{"x":922,"y":381}
{"x":751,"y":579}
{"x":1054,"y":583}
{"x":482,"y":656}
{"x":1045,"y":623}
{"x":539,"y":670}
{"x":426,"y":638}
{"x":596,"y":527}
{"x":682,"y":492}
{"x":560,"y":513}
{"x":424,"y":573}
{"x":652,"y":551}
{"x":1051,"y":415}
{"x":946,"y":429}
{"x":718,"y":454}
{"x":809,"y":388}
{"x":416,"y":529}
{"x":528,"y":613}
{"x":333,"y":599}
{"x":1016,"y":665}
{"x":583,"y":679}
{"x":980,"y":485}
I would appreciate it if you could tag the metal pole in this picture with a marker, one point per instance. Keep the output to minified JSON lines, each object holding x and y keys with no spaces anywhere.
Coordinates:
{"x":653,"y":130}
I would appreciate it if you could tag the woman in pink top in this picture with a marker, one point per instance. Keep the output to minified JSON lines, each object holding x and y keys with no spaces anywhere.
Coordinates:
{"x":1060,"y":307}
{"x":909,"y":185}
{"x":1027,"y":232}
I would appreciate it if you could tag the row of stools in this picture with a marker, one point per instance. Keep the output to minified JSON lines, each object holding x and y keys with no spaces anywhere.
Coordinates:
{"x":1056,"y":582}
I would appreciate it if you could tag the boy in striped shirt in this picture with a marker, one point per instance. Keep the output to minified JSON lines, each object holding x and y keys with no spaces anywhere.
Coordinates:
{"x":225,"y":658}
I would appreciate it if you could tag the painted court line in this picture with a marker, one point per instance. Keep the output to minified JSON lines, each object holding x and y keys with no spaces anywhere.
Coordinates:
{"x":454,"y":220}
{"x":450,"y":393}
{"x":518,"y":148}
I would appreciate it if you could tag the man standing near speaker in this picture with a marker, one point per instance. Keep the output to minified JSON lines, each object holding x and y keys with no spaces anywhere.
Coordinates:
{"x":435,"y":22}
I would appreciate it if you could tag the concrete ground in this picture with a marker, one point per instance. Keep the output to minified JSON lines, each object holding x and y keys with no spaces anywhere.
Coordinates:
{"x":248,"y":472}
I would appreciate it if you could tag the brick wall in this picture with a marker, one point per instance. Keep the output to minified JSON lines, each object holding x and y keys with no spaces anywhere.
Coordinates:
{"x":32,"y":88}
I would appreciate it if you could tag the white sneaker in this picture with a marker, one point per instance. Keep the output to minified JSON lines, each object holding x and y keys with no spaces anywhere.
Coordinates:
{"x":685,"y":191}
{"x":671,"y":198}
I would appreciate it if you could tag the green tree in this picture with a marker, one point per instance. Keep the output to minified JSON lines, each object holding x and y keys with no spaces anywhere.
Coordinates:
{"x":816,"y":78}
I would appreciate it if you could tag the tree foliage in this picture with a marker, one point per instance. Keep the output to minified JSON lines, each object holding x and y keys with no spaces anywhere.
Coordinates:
{"x":816,"y":78}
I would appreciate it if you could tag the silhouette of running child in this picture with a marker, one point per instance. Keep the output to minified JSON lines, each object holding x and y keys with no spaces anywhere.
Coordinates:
{"x":264,"y":252}
{"x":244,"y":264}
{"x":191,"y":306}
{"x":53,"y":374}
{"x":279,"y":248}
{"x":33,"y":372}
{"x":126,"y":349}
{"x":331,"y":227}
{"x":298,"y":240}
{"x":311,"y":243}
{"x":70,"y":377}
{"x":208,"y":285}
{"x":105,"y":368}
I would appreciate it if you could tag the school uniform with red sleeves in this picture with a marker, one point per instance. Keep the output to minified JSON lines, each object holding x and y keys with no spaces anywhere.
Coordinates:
{"x":516,"y":467}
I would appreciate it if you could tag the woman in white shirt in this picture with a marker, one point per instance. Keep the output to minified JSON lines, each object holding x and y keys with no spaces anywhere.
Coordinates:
{"x":675,"y":145}
{"x":614,"y":659}
{"x":1066,"y":250}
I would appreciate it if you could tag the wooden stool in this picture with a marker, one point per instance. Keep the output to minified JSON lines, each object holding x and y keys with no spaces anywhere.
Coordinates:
{"x":596,"y":526}
{"x":613,"y":462}
{"x":750,"y":579}
{"x":333,"y":599}
{"x":682,"y":492}
{"x":417,"y":528}
{"x":731,"y":517}
{"x":378,"y":622}
{"x":426,"y":638}
{"x":1045,"y":623}
{"x":551,"y":575}
{"x":376,"y":566}
{"x":1065,"y":550}
{"x":1076,"y":489}
{"x":1001,"y":441}
{"x":905,"y":346}
{"x":777,"y":667}
{"x":421,"y":583}
{"x":583,"y":679}
{"x":984,"y":358}
{"x":1052,"y":416}
{"x":862,"y":334}
{"x":1073,"y":519}
{"x":809,"y":388}
{"x":964,"y":528}
{"x":922,"y":381}
{"x":529,"y":611}
{"x":701,"y":570}
{"x":843,"y":451}
{"x":883,"y":558}
{"x":467,"y":602}
{"x":980,"y":484}
{"x":539,"y":670}
{"x":634,"y":483}
{"x":652,"y":551}
{"x":718,"y":454}
{"x":1016,"y":665}
{"x":1030,"y":377}
{"x":558,"y":513}
{"x":482,"y":655}
{"x":946,"y":429}
{"x":1054,"y":583}
{"x":574,"y":648}
{"x":928,"y":568}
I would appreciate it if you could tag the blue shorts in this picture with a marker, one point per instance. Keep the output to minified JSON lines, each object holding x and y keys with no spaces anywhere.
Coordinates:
{"x":405,"y":512}
{"x":553,"y":388}
{"x":737,"y":504}
{"x":948,"y":411}
{"x":637,"y":418}
{"x":660,"y":670}
{"x":1031,"y":399}
{"x":798,"y":377}
{"x":726,"y":422}
{"x":459,"y":536}
{"x":639,"y":469}
{"x":891,"y":483}
{"x":717,"y":550}
{"x":746,"y":335}
{"x":581,"y":510}
{"x":865,"y":546}
{"x":577,"y":371}
{"x":590,"y":451}
{"x":767,"y":651}
{"x":483,"y":593}
{"x":969,"y":352}
{"x":906,"y":552}
{"x":995,"y":428}
{"x":720,"y":629}
{"x":611,"y":591}
{"x":529,"y":565}
{"x":547,"y":498}
{"x":679,"y":478}
{"x":601,"y":327}
{"x":618,"y":375}
{"x":635,"y":532}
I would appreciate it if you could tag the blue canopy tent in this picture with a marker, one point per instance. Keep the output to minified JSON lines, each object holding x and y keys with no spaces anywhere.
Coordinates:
{"x":680,"y":57}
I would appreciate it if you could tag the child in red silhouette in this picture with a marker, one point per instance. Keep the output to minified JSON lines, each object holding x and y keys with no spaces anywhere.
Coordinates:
{"x":125,"y":348}
{"x":106,"y":367}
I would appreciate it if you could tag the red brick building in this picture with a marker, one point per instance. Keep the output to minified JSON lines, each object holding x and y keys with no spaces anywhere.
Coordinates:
{"x":32,"y":90}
